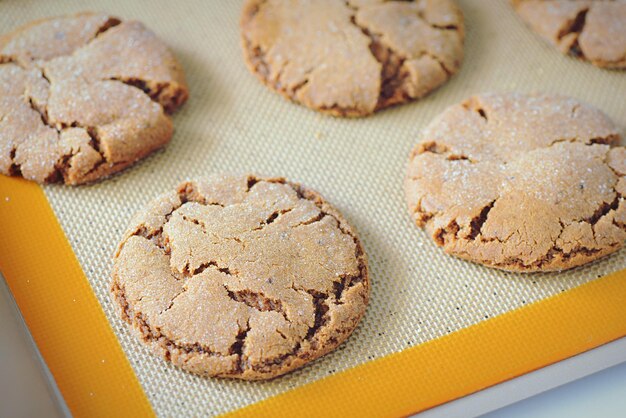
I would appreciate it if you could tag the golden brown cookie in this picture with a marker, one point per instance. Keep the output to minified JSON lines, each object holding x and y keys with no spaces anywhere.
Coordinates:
{"x":84,"y":96}
{"x":520,"y":182}
{"x":594,"y":30}
{"x":352,"y":58}
{"x":241,"y":277}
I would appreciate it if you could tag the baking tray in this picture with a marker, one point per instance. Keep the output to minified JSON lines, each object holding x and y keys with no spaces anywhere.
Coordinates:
{"x":437,"y":328}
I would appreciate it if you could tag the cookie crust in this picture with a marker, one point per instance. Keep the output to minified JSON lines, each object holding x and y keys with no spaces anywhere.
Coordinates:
{"x":520,"y":182}
{"x":84,"y":96}
{"x":352,"y":58}
{"x":591,"y":30}
{"x":241,"y":277}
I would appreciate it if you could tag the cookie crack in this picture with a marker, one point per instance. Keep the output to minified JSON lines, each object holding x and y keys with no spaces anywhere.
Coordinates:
{"x":239,"y":345}
{"x":257,"y":300}
{"x":250,"y":182}
{"x":142,"y":85}
{"x":63,"y":164}
{"x":473,"y":105}
{"x":95,"y":144}
{"x":189,"y":194}
{"x":202,"y":267}
{"x":158,"y":92}
{"x":346,"y":282}
{"x":15,"y":169}
{"x":171,"y":304}
{"x":256,"y":59}
{"x":420,"y":215}
{"x":321,"y":318}
{"x":9,"y":59}
{"x":43,"y":114}
{"x":449,"y":72}
{"x":391,"y":76}
{"x":151,"y":334}
{"x":604,"y":209}
{"x":155,"y":236}
{"x":110,"y":23}
{"x":17,"y":60}
{"x":272,"y":218}
{"x":360,"y":255}
{"x":575,"y":28}
{"x":606,"y":140}
{"x":422,"y":16}
{"x":442,"y":27}
{"x":600,"y":140}
{"x":301,"y":84}
{"x":445,"y":233}
{"x":435,"y":147}
{"x":617,"y":173}
{"x":460,"y":157}
{"x":439,"y":148}
{"x":320,"y":304}
{"x":393,"y":72}
{"x":477,"y":223}
{"x":204,"y":229}
{"x":321,"y":309}
{"x":317,"y":218}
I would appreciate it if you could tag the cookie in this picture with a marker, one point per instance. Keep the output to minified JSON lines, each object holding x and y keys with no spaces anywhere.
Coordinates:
{"x":241,"y":277}
{"x":520,"y":182}
{"x":594,"y":30}
{"x":352,"y":58}
{"x":84,"y":96}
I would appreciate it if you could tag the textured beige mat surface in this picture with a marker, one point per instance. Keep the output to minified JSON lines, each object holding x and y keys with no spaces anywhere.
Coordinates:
{"x":234,"y":124}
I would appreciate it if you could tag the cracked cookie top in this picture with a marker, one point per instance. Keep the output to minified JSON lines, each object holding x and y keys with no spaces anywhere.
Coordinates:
{"x":520,"y":182}
{"x":241,"y":277}
{"x":352,"y":58}
{"x":84,"y":96}
{"x":594,"y":30}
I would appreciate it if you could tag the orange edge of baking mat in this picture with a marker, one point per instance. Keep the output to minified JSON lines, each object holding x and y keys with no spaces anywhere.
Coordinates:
{"x":465,"y":361}
{"x":95,"y":378}
{"x":61,"y":310}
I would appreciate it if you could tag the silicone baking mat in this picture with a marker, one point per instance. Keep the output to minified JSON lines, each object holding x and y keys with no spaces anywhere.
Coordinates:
{"x":437,"y":328}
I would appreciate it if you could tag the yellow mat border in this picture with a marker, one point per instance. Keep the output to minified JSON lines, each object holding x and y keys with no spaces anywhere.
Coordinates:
{"x":61,"y":310}
{"x":466,"y":361}
{"x":95,"y":378}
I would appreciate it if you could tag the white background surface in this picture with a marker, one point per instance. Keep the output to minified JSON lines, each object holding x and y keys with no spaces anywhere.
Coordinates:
{"x":24,"y":391}
{"x":602,"y":394}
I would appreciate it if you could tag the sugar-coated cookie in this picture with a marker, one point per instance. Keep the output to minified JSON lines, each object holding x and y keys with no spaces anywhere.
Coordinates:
{"x":593,"y":30}
{"x":520,"y":182}
{"x":84,"y":96}
{"x":241,"y":277}
{"x":352,"y":58}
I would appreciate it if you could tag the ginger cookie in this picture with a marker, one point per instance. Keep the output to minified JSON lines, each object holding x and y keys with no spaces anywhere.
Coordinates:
{"x":520,"y":182}
{"x":84,"y":96}
{"x":593,"y":30}
{"x":241,"y":277}
{"x":352,"y":58}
